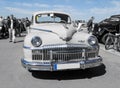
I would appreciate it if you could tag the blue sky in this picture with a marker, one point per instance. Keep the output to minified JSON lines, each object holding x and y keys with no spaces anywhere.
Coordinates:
{"x":78,"y":9}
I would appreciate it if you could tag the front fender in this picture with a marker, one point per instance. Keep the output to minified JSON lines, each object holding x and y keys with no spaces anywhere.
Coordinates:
{"x":80,"y":38}
{"x":46,"y":37}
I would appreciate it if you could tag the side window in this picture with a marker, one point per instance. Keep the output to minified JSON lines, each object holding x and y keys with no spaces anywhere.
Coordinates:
{"x":69,"y":20}
{"x":32,"y":20}
{"x":57,"y":19}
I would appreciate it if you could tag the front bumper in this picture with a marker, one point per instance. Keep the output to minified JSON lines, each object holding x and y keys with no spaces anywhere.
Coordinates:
{"x":43,"y":66}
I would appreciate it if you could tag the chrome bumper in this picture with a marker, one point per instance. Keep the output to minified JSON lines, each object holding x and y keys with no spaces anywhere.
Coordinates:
{"x":42,"y":66}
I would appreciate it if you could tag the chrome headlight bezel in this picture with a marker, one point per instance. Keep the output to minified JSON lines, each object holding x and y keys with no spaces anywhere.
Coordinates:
{"x":92,"y":40}
{"x":36,"y":41}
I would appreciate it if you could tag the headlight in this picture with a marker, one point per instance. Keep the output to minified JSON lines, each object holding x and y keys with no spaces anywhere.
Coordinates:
{"x":36,"y":41}
{"x":92,"y":40}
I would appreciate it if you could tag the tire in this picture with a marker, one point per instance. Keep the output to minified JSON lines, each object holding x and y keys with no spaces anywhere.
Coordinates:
{"x":118,"y":45}
{"x":109,"y":43}
{"x":103,"y":40}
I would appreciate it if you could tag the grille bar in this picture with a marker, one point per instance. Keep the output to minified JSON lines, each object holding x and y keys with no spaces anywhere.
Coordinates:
{"x":62,"y":54}
{"x":67,"y":56}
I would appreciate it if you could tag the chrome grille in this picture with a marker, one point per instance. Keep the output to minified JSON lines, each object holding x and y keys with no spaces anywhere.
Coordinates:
{"x":67,"y":56}
{"x":91,"y":54}
{"x":62,"y":54}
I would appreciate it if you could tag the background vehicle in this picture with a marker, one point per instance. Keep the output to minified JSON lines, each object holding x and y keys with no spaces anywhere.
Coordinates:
{"x":111,"y":25}
{"x":4,"y":29}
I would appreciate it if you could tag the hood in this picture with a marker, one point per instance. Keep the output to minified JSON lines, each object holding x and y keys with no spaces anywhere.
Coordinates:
{"x":64,"y":32}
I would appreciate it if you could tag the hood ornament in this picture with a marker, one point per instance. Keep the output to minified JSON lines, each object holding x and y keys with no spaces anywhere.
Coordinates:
{"x":69,"y":33}
{"x":66,"y":39}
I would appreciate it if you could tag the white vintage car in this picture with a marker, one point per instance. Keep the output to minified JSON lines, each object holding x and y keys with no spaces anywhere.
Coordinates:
{"x":55,"y":43}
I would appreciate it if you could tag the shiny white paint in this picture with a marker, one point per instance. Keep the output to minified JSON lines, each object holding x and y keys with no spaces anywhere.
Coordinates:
{"x":54,"y":33}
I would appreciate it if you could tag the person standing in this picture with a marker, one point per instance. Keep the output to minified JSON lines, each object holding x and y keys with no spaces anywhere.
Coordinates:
{"x":5,"y":29}
{"x":27,"y":22}
{"x":11,"y":25}
{"x":19,"y":27}
{"x":1,"y":22}
{"x":90,"y":24}
{"x":1,"y":25}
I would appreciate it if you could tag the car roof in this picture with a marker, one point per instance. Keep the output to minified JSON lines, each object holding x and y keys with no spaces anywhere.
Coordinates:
{"x":43,"y":12}
{"x":118,"y":16}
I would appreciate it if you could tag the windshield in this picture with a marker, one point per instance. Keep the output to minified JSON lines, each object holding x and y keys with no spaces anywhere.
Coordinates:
{"x":52,"y":18}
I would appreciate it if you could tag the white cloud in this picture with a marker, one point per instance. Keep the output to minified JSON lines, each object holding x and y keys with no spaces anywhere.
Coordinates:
{"x":69,"y":9}
{"x":102,"y":11}
{"x":22,"y":7}
{"x":116,"y":3}
{"x":61,"y":6}
{"x":27,"y":4}
{"x":114,"y":9}
{"x":29,"y":8}
{"x":41,"y":5}
{"x":32,"y":5}
{"x":18,"y":10}
{"x":22,"y":4}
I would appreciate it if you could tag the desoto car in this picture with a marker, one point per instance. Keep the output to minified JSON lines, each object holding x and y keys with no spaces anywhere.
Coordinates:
{"x":55,"y":43}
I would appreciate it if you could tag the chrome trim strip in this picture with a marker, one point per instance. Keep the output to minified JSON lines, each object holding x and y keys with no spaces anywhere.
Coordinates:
{"x":26,"y":47}
{"x":41,"y":29}
{"x":56,"y":46}
{"x":41,"y":66}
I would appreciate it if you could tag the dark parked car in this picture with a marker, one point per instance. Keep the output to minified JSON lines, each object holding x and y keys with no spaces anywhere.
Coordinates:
{"x":111,"y":25}
{"x":4,"y":29}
